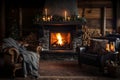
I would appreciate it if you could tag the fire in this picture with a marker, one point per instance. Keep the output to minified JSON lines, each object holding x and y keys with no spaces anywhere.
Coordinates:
{"x":107,"y":47}
{"x":110,"y":47}
{"x":59,"y":38}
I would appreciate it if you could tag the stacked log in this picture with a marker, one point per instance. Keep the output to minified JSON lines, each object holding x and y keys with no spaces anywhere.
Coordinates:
{"x":88,"y":34}
{"x":85,"y":36}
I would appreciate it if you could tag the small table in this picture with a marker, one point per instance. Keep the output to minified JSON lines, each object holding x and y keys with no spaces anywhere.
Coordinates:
{"x":112,"y":66}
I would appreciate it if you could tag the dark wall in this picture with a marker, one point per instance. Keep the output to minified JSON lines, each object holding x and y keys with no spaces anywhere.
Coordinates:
{"x":2,"y":19}
{"x":116,"y":14}
{"x":32,"y":7}
{"x":58,"y":7}
{"x":29,"y":8}
{"x":28,"y":15}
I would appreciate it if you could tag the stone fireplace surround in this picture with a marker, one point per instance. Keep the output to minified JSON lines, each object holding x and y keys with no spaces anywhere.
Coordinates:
{"x":47,"y":28}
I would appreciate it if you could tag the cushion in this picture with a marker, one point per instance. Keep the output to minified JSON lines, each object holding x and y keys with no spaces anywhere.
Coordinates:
{"x":97,"y":46}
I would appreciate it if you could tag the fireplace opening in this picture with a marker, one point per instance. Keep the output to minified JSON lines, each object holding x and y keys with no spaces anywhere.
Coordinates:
{"x":60,"y":41}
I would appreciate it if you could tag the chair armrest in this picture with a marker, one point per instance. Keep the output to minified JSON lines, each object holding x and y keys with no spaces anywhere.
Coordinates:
{"x":38,"y":49}
{"x":81,"y":49}
{"x":11,"y":55}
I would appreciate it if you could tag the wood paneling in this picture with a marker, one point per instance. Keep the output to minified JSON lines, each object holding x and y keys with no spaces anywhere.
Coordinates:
{"x":92,"y":13}
{"x":109,"y":13}
{"x":95,"y":13}
{"x":94,"y":3}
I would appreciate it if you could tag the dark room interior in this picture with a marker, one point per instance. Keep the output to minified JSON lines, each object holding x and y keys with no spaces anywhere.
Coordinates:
{"x":60,"y":39}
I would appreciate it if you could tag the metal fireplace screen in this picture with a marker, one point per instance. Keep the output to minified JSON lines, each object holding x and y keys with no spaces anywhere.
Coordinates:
{"x":60,"y":40}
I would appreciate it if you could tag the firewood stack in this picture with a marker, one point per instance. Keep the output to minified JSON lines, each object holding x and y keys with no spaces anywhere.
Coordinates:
{"x":95,"y":33}
{"x":85,"y":36}
{"x":88,"y":34}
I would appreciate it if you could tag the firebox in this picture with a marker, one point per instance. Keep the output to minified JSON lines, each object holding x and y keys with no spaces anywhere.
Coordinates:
{"x":60,"y":41}
{"x":60,"y":37}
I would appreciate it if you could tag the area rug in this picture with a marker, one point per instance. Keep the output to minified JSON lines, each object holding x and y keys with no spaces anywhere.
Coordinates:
{"x":67,"y":70}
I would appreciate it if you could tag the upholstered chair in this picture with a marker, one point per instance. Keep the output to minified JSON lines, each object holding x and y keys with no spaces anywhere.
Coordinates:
{"x":14,"y":60}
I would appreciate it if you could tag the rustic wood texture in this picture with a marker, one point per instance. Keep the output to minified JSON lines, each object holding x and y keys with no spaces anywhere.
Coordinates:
{"x":94,"y":3}
{"x":95,"y":13}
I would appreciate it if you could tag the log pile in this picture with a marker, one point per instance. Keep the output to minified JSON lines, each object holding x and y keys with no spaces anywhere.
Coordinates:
{"x":85,"y":36}
{"x":88,"y":34}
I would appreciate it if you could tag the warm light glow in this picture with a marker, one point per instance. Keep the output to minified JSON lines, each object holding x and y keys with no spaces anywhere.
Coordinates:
{"x":110,"y":47}
{"x":68,"y":18}
{"x":59,"y":38}
{"x":48,"y":18}
{"x":44,"y":19}
{"x":107,"y":47}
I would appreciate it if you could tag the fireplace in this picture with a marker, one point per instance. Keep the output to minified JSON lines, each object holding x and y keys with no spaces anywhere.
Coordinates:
{"x":62,"y":36}
{"x":60,"y":40}
{"x":59,"y":37}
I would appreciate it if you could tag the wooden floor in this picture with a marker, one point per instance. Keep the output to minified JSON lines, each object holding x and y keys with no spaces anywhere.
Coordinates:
{"x":67,"y":70}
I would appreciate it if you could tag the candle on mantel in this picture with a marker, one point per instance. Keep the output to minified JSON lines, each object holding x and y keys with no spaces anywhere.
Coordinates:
{"x":44,"y":19}
{"x":65,"y":15}
{"x":68,"y":18}
{"x":48,"y":18}
{"x":46,"y":11}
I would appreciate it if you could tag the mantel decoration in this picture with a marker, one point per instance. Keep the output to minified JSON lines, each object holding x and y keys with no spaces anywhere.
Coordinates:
{"x":56,"y":18}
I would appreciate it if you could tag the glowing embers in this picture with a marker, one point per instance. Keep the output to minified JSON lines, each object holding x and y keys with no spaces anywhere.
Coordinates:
{"x":60,"y":40}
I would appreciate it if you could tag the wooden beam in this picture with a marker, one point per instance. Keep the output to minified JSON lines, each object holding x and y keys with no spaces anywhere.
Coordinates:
{"x":95,"y":4}
{"x":103,"y":21}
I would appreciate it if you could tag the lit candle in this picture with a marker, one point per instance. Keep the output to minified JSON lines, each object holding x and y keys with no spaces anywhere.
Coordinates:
{"x":46,"y":12}
{"x":48,"y":19}
{"x":68,"y":18}
{"x":65,"y":15}
{"x":44,"y":19}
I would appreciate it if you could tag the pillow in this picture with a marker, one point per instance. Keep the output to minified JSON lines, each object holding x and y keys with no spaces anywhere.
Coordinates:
{"x":97,"y":46}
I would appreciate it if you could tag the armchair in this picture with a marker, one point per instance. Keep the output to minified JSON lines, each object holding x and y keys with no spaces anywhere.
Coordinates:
{"x":14,"y":60}
{"x":95,"y":54}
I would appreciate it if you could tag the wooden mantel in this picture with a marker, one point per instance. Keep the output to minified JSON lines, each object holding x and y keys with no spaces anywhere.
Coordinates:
{"x":60,"y":23}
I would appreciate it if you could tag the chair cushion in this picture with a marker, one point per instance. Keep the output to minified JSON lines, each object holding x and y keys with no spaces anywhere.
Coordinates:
{"x":97,"y":46}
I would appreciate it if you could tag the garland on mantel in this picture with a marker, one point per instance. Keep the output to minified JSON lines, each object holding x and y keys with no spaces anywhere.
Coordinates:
{"x":56,"y":18}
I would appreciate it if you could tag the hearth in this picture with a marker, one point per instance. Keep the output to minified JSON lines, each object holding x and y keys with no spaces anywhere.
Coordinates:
{"x":60,"y":37}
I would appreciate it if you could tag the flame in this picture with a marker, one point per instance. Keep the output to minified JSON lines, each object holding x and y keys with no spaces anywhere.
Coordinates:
{"x":107,"y":47}
{"x":110,"y":47}
{"x":59,"y":38}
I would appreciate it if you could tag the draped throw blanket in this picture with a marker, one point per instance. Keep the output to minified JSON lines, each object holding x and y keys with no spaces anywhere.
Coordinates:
{"x":31,"y":59}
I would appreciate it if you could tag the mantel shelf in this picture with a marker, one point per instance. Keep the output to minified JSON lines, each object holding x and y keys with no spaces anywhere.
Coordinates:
{"x":59,"y":23}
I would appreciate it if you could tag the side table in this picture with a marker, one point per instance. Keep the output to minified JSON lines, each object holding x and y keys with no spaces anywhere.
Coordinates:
{"x":113,"y":64}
